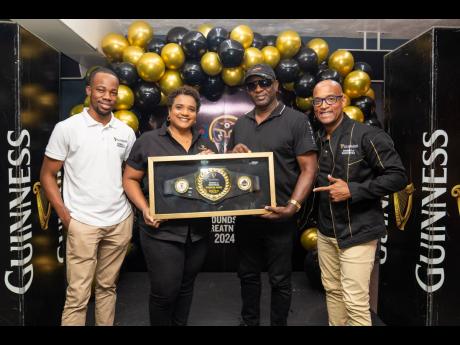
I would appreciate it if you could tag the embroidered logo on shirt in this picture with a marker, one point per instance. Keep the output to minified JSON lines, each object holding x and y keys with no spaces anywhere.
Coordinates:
{"x":348,"y":149}
{"x":121,"y":142}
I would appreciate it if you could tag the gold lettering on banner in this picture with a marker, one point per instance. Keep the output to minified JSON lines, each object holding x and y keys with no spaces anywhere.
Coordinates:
{"x":43,"y":215}
{"x":403,"y":205}
{"x":455,"y":192}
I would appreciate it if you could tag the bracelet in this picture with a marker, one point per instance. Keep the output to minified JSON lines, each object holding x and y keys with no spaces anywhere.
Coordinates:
{"x":295,"y":203}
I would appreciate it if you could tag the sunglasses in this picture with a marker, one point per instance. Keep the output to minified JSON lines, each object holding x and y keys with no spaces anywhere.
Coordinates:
{"x":263,"y":83}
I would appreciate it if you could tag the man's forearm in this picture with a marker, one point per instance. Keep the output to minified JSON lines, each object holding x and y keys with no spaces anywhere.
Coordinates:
{"x":53,"y":194}
{"x":304,"y":185}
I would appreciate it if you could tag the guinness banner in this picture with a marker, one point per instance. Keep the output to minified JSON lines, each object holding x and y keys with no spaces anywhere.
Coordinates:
{"x":419,"y":280}
{"x":31,"y":243}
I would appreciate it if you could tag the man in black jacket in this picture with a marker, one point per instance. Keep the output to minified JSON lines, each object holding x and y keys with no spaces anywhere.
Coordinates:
{"x":357,"y":165}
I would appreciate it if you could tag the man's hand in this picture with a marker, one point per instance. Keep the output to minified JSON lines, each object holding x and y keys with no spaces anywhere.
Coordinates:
{"x":150,"y":221}
{"x":280,"y":212}
{"x":241,"y":148}
{"x":66,"y":220}
{"x":338,"y":190}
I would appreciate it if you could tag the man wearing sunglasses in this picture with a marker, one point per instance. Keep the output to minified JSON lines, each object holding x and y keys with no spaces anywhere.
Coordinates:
{"x":266,"y":242}
{"x":357,"y":165}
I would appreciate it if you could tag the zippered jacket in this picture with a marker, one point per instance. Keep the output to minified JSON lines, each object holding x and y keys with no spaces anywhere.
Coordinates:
{"x":364,"y":157}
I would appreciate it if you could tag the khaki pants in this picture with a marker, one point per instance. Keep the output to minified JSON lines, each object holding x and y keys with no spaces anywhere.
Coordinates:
{"x":94,"y":253}
{"x":346,"y":276}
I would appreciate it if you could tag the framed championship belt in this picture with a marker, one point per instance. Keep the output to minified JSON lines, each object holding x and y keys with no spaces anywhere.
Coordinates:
{"x":211,"y":185}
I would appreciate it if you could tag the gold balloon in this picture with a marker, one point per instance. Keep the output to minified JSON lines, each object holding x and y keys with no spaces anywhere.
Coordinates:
{"x":76,"y":109}
{"x":150,"y":67}
{"x":304,"y":104}
{"x":113,"y":46}
{"x":347,"y":100}
{"x":289,"y":86}
{"x":320,"y":47}
{"x":173,"y":56}
{"x":288,"y":43}
{"x":252,"y":56}
{"x":128,"y":117}
{"x":170,"y":81}
{"x":243,"y":34}
{"x":140,"y":33}
{"x":370,"y":93}
{"x":342,"y":61}
{"x":125,"y":98}
{"x":164,"y":99}
{"x":271,"y":55}
{"x":233,"y":76}
{"x":204,"y":29}
{"x":354,"y":113}
{"x":86,"y":102}
{"x":132,"y":54}
{"x":210,"y":63}
{"x":356,"y":84}
{"x":309,"y":238}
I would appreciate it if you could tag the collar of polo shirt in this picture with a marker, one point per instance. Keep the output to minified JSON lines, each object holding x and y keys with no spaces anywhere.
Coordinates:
{"x":92,"y":122}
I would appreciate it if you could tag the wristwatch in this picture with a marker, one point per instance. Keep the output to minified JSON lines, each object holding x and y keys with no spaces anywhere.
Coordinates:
{"x":212,"y":185}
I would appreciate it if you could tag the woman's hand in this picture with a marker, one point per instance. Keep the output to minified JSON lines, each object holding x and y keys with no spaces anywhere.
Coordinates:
{"x":150,"y":221}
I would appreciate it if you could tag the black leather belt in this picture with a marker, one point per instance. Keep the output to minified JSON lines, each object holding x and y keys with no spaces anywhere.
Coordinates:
{"x":212,"y":185}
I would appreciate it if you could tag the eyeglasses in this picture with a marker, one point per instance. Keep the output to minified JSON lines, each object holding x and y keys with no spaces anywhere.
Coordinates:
{"x":263,"y":83}
{"x":330,"y":100}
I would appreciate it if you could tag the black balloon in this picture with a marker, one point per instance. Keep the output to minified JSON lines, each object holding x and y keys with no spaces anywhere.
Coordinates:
{"x":363,"y":66}
{"x":308,"y":60}
{"x":373,"y":121}
{"x":304,"y":86}
{"x":126,"y":72}
{"x":215,"y":37}
{"x":148,"y":95}
{"x":192,"y":73}
{"x":329,"y":73}
{"x":322,"y":67}
{"x":231,"y":53}
{"x":287,"y":71}
{"x":212,"y":88}
{"x":270,"y":40}
{"x":258,"y":41}
{"x":176,"y":34}
{"x":194,"y":44}
{"x":155,"y":45}
{"x":366,"y":104}
{"x":312,"y":269}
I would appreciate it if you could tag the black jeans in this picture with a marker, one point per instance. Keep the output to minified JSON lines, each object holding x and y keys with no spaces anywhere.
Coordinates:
{"x":264,"y":244}
{"x":172,"y":269}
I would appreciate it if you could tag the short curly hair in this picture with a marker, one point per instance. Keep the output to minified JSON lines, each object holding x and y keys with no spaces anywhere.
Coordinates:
{"x":185,"y":90}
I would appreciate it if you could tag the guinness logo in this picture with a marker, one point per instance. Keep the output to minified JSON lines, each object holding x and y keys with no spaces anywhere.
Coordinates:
{"x":213,"y":183}
{"x":403,"y":205}
{"x":220,"y":130}
{"x":43,"y":206}
{"x":455,"y":192}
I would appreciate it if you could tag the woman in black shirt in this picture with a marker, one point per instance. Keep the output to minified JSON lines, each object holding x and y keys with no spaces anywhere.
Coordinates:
{"x":175,"y":249}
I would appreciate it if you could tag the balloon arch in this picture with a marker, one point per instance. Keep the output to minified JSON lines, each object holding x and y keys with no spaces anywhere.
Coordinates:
{"x":212,"y":58}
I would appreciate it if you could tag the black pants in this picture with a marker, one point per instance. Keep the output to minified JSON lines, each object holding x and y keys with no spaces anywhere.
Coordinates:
{"x":172,"y":269}
{"x":263,"y":244}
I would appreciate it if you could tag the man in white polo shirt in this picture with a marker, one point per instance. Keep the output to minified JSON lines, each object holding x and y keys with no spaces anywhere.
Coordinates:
{"x":92,"y":146}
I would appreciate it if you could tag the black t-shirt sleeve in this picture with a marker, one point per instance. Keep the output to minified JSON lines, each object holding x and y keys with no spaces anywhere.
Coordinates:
{"x":304,"y":139}
{"x":137,"y":159}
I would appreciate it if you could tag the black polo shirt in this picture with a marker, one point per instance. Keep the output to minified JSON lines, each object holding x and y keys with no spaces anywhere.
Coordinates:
{"x":325,"y":167}
{"x":159,"y":142}
{"x":287,"y":133}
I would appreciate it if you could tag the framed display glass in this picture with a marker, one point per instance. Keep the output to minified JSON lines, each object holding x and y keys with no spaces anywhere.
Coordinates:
{"x":211,"y":185}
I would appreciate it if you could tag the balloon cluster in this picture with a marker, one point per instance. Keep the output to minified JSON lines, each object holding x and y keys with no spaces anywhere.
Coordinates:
{"x":211,"y":58}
